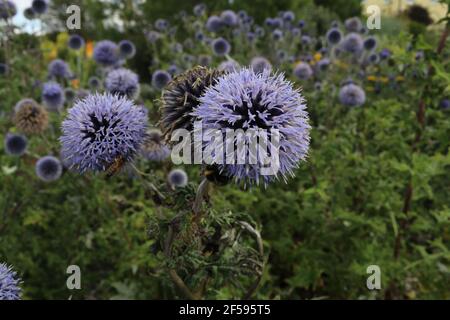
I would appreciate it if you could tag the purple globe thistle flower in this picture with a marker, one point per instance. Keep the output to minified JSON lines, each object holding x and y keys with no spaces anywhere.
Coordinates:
{"x":94,"y":83}
{"x":306,"y":40}
{"x":7,"y":9}
{"x":352,"y":43}
{"x":106,"y":53}
{"x":259,"y":64}
{"x":53,"y":96}
{"x":4,"y":69}
{"x":323,"y":64}
{"x":385,"y":54}
{"x":59,"y":69}
{"x":288,"y":16}
{"x":419,"y":55}
{"x":153,"y":36}
{"x":301,"y":24}
{"x":204,"y":60}
{"x":127,"y":49}
{"x":220,"y":47}
{"x":9,"y":283}
{"x":29,"y":13}
{"x":199,"y":35}
{"x":242,"y":14}
{"x":122,"y":82}
{"x":177,"y":178}
{"x":247,"y":100}
{"x":353,"y":24}
{"x":260,"y":32}
{"x":39,"y":6}
{"x":334,"y":36}
{"x":229,"y":18}
{"x":370,"y":43}
{"x":173,"y":69}
{"x":100,"y":129}
{"x":373,"y":58}
{"x":296,"y":32}
{"x":302,"y":71}
{"x":445,"y":104}
{"x":228,"y":66}
{"x":199,"y":9}
{"x":352,"y":95}
{"x":176,"y":47}
{"x":281,"y":55}
{"x":75,"y":42}
{"x":153,"y":147}
{"x":277,"y":34}
{"x":318,"y":86}
{"x":161,"y":24}
{"x":269,"y":22}
{"x":214,"y":24}
{"x":277,"y":23}
{"x":69,"y":95}
{"x":251,"y":36}
{"x":160,"y":79}
{"x":48,"y":168}
{"x":15,"y":144}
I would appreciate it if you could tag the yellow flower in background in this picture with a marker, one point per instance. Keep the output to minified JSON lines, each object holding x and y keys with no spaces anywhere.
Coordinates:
{"x":317,"y":56}
{"x":75,"y":83}
{"x":370,"y":89}
{"x":400,"y":78}
{"x":49,"y":50}
{"x":89,"y":49}
{"x":384,"y":79}
{"x":61,"y":40}
{"x":371,"y":78}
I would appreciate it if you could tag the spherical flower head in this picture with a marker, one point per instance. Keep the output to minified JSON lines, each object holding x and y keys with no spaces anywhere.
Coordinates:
{"x":152,"y":36}
{"x":94,"y":83}
{"x":53,"y":96}
{"x":29,"y":13}
{"x":106,"y":53}
{"x":228,"y":66}
{"x":373,"y":58}
{"x":301,"y":24}
{"x":173,"y":69}
{"x":59,"y":69}
{"x":229,"y":18}
{"x":4,"y":69}
{"x":160,"y":79}
{"x":39,"y":6}
{"x":204,"y":60}
{"x":334,"y":36}
{"x":199,"y":35}
{"x":15,"y":144}
{"x":182,"y":96}
{"x":248,"y":100}
{"x":29,"y":117}
{"x":296,"y":32}
{"x":48,"y":168}
{"x":75,"y":42}
{"x":306,"y":40}
{"x":220,"y":47}
{"x":127,"y":49}
{"x":199,"y":9}
{"x":260,"y":32}
{"x":353,"y":24}
{"x":385,"y":54}
{"x":69,"y":95}
{"x":214,"y":24}
{"x":251,"y":36}
{"x":177,"y":178}
{"x":259,"y":64}
{"x":352,"y":95}
{"x":370,"y":43}
{"x":277,"y":34}
{"x":322,"y":64}
{"x":153,"y":147}
{"x":7,"y":9}
{"x":288,"y":16}
{"x":100,"y":129}
{"x":445,"y":104}
{"x":9,"y":283}
{"x":161,"y":24}
{"x":122,"y":82}
{"x":303,"y":71}
{"x":352,"y":43}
